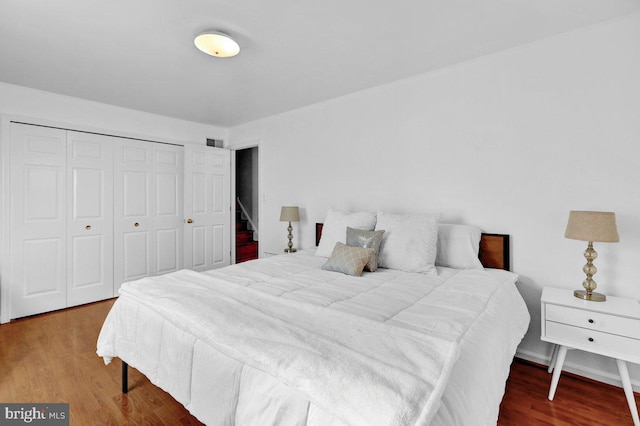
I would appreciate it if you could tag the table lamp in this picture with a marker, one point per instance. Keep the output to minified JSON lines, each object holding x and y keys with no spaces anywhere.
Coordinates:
{"x":290,"y":214}
{"x":591,"y":226}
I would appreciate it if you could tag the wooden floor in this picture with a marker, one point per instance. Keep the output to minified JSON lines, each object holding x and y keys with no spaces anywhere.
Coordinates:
{"x":51,"y":358}
{"x":578,"y":401}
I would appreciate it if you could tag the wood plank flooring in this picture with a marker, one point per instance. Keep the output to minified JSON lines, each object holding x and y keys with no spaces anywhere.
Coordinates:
{"x":578,"y":400}
{"x":51,"y":358}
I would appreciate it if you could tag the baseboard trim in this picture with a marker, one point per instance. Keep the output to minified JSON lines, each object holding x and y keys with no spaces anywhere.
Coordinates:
{"x":579,"y":370}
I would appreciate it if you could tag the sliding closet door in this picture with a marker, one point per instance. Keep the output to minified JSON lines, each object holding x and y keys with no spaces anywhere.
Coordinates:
{"x":168,"y":224}
{"x":90,"y":218}
{"x":38,"y":220}
{"x":207,"y":241}
{"x":134,"y":200}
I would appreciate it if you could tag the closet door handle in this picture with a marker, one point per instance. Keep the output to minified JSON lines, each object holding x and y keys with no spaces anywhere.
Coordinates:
{"x":189,"y":220}
{"x":88,"y":227}
{"x":136,"y":224}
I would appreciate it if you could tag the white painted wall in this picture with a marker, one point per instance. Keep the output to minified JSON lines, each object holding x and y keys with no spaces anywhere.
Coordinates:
{"x":94,"y":116}
{"x":509,"y":142}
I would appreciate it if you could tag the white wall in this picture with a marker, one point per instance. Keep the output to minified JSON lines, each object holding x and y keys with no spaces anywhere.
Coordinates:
{"x":509,"y":142}
{"x":93,"y":116}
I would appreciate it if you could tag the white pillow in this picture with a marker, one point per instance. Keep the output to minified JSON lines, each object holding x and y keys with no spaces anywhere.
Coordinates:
{"x":458,"y":246}
{"x":409,"y":242}
{"x":335,"y":228}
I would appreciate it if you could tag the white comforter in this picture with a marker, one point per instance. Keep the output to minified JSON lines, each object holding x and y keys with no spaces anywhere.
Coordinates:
{"x":378,"y":349}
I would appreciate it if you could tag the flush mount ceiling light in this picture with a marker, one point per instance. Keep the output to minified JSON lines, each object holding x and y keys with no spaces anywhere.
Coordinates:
{"x":218,"y":44}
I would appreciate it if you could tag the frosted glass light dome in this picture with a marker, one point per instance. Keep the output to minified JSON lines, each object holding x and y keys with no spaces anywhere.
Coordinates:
{"x":217,"y":44}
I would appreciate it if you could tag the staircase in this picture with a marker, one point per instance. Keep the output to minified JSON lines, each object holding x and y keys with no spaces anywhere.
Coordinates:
{"x":246,"y":248}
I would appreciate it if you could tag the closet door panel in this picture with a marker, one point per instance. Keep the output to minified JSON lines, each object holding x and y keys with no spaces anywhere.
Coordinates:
{"x":136,"y":194}
{"x":42,"y":258}
{"x":167,"y":202}
{"x":167,"y":243}
{"x":90,"y":218}
{"x":88,"y":267}
{"x":38,"y":221}
{"x":168,"y":221}
{"x":136,"y":259}
{"x":42,"y":198}
{"x":134,"y":204}
{"x":88,"y":193}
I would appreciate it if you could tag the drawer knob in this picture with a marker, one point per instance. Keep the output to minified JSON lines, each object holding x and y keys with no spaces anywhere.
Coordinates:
{"x":591,"y":321}
{"x":591,"y":339}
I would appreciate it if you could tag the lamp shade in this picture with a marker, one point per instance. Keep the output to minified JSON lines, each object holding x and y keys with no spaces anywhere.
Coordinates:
{"x":289,"y":214}
{"x":592,"y":226}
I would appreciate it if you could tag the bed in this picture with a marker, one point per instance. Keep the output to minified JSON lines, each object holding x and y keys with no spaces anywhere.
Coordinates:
{"x":283,"y":341}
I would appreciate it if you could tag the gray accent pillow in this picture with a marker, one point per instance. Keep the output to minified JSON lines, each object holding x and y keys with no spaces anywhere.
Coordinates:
{"x":366,"y":239}
{"x":348,"y":260}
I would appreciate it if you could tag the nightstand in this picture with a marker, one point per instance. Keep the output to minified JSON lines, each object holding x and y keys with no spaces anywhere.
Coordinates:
{"x":610,"y":328}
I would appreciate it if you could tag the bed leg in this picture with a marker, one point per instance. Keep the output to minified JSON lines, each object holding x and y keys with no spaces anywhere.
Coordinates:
{"x":125,"y":377}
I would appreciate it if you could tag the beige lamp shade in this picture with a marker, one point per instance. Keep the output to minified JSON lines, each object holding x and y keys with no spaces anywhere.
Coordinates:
{"x":592,"y":226}
{"x":289,"y":214}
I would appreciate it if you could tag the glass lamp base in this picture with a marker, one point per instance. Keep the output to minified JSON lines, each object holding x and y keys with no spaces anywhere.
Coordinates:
{"x":594,"y":297}
{"x":290,"y":250}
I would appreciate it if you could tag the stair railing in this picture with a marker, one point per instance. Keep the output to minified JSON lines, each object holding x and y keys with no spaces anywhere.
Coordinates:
{"x":253,"y":225}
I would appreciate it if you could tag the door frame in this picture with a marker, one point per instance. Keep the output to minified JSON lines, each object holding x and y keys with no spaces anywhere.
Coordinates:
{"x":251,"y":143}
{"x":5,"y":214}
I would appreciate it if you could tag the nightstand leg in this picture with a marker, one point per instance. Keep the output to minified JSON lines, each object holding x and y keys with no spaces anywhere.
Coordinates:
{"x":628,"y":391}
{"x":554,"y":356}
{"x":562,"y":353}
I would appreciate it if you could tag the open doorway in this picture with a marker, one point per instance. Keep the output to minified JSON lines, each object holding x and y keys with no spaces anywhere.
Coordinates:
{"x":247,"y":204}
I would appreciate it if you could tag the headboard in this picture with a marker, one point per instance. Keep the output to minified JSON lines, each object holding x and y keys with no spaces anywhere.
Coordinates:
{"x":494,"y":249}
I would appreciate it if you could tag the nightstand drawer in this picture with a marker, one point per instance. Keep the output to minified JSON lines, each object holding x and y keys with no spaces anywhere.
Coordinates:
{"x":594,"y":320}
{"x":604,"y":343}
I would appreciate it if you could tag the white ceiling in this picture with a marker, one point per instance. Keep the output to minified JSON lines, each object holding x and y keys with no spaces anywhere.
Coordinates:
{"x":140,"y":54}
